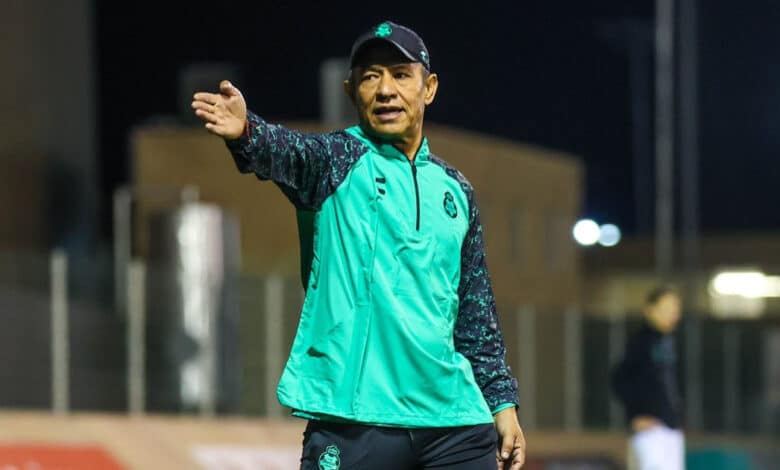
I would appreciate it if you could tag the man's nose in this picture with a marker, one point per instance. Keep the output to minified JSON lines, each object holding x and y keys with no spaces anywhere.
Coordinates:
{"x":386,"y":89}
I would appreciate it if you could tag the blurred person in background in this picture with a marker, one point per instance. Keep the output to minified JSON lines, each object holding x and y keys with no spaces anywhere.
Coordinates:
{"x":398,"y":361}
{"x":645,"y":381}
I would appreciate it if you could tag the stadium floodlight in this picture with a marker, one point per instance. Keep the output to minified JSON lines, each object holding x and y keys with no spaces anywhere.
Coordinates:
{"x":609,"y":235}
{"x":747,"y":284}
{"x":586,"y":232}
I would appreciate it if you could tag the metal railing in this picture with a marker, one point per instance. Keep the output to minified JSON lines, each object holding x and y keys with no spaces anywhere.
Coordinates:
{"x":562,"y":360}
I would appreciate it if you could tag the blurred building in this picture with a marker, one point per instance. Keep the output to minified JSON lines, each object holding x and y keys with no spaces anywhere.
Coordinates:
{"x":48,"y":168}
{"x":737,"y":276}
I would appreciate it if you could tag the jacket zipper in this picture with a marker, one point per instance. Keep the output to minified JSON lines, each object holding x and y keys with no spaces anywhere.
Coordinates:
{"x":416,"y":192}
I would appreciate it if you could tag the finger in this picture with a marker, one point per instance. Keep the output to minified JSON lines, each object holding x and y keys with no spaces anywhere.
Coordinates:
{"x":227,"y":88}
{"x":518,"y":455}
{"x":507,"y":446}
{"x":203,"y":106}
{"x":499,"y":463}
{"x":518,"y":460}
{"x":207,"y":116}
{"x":216,"y":129}
{"x":209,"y":98}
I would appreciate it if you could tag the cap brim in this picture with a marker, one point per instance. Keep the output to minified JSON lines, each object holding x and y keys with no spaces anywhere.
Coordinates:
{"x":373,"y":39}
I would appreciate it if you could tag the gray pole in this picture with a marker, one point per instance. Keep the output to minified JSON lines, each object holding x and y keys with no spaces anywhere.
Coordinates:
{"x":572,"y":370}
{"x":693,"y":367}
{"x":136,"y":336}
{"x":616,"y":350}
{"x":60,"y":345}
{"x":731,"y":378}
{"x":274,"y":353}
{"x":123,"y":226}
{"x":689,"y":202}
{"x":689,"y":138}
{"x":526,"y":359}
{"x":664,"y":136}
{"x":640,"y":63}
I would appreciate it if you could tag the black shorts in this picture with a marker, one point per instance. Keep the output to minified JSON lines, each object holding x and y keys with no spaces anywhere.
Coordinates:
{"x":336,"y":446}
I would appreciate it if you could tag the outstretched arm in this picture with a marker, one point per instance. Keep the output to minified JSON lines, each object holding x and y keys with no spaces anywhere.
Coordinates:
{"x":300,"y":164}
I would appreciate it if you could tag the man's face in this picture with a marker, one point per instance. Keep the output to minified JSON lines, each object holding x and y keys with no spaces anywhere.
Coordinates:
{"x":665,"y":313}
{"x":389,"y":92}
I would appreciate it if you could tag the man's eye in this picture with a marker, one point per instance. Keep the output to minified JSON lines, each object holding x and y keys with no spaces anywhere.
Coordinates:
{"x":370,"y":76}
{"x":401,"y":75}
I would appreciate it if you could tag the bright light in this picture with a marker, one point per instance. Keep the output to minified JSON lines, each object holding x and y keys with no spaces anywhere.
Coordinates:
{"x":747,"y":284}
{"x":586,"y":232}
{"x":610,"y":235}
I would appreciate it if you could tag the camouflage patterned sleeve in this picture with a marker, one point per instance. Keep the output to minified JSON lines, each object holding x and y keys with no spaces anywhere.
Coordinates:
{"x":477,"y":333}
{"x":307,"y":167}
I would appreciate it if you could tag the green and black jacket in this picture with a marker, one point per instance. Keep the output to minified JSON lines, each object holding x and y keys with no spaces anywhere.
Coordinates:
{"x":399,"y":323}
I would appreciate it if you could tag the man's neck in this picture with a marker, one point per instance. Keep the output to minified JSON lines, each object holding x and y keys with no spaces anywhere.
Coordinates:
{"x":409,"y":146}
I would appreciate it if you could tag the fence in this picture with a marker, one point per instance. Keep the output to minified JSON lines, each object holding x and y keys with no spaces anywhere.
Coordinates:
{"x":65,"y":347}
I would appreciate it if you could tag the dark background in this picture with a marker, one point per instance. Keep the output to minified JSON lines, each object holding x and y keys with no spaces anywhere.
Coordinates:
{"x":546,"y":72}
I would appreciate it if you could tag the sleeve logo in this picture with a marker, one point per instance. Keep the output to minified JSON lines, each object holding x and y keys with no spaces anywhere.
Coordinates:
{"x":449,"y":205}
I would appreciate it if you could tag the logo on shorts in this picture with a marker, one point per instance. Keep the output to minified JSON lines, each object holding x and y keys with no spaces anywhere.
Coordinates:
{"x":383,"y":30}
{"x":449,"y":205}
{"x":329,"y":460}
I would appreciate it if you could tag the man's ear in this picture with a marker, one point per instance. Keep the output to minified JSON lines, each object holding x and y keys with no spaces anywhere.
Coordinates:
{"x":431,"y":85}
{"x":349,"y":89}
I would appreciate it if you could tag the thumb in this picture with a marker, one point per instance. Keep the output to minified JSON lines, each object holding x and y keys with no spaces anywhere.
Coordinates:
{"x":507,"y":445}
{"x":227,"y":88}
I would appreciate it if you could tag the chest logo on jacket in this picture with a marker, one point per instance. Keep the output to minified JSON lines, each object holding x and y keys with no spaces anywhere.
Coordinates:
{"x":449,"y":205}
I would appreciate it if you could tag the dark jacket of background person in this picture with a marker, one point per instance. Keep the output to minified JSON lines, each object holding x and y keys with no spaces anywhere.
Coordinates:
{"x":645,"y":380}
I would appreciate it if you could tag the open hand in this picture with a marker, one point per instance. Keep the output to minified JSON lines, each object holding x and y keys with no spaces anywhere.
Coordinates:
{"x":223,"y":112}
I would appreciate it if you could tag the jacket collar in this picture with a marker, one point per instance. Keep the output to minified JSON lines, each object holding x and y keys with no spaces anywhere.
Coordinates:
{"x":386,"y":148}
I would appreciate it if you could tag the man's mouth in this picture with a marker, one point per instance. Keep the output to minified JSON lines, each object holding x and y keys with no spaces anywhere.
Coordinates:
{"x":388,"y":113}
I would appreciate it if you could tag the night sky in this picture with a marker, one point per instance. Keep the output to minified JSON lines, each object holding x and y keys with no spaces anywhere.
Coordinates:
{"x":546,"y":72}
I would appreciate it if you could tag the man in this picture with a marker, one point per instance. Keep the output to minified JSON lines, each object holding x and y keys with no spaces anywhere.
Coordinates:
{"x":398,"y":362}
{"x":646,"y":383}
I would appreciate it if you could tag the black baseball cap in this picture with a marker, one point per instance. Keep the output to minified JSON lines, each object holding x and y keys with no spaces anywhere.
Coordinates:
{"x":409,"y":43}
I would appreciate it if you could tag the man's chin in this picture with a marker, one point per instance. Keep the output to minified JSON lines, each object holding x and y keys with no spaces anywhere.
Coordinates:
{"x":389,"y":131}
